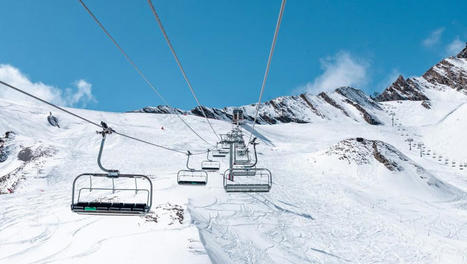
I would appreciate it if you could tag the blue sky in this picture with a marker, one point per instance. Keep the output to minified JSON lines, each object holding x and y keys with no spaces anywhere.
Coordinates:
{"x":223,"y":46}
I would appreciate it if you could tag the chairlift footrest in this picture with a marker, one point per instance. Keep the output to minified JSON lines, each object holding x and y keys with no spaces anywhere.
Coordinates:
{"x":109,"y":208}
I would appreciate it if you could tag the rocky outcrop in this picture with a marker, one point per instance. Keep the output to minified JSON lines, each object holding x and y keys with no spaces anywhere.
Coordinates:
{"x":364,"y":151}
{"x":463,"y":53}
{"x":402,"y":89}
{"x":372,"y":120}
{"x":450,"y":72}
{"x":330,"y":101}
{"x":344,"y":102}
{"x":304,"y":108}
{"x":312,"y":107}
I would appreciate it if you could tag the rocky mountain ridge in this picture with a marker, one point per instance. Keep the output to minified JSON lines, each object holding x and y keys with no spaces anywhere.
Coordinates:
{"x":344,"y":103}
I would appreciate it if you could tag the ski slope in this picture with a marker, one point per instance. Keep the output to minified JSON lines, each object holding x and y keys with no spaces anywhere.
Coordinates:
{"x":323,"y":208}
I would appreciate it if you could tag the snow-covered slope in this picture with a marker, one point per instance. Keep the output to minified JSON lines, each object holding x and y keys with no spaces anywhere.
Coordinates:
{"x":383,"y":203}
{"x":347,"y":185}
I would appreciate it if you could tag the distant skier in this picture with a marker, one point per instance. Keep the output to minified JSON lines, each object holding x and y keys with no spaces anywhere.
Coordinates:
{"x":162,"y":128}
{"x":53,"y":121}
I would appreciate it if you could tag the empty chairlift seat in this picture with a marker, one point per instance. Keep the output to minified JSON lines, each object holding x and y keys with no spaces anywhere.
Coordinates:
{"x":125,"y":194}
{"x":192,"y":176}
{"x":209,"y":164}
{"x":196,"y":177}
{"x":111,"y":193}
{"x":218,"y":154}
{"x":247,"y":180}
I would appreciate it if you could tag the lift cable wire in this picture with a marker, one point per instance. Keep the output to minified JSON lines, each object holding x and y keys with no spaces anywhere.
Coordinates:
{"x":94,"y":123}
{"x":271,"y":51}
{"x":169,"y":43}
{"x":138,"y":70}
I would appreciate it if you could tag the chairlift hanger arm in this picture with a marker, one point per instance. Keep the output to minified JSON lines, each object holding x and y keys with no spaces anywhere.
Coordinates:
{"x":105,"y":130}
{"x":254,"y":143}
{"x":188,"y":160}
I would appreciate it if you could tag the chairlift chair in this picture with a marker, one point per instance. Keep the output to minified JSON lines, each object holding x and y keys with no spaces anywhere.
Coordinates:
{"x":242,"y":151}
{"x":247,"y":178}
{"x":209,"y":164}
{"x":100,"y":194}
{"x":218,"y":154}
{"x":224,"y":143}
{"x":192,"y":176}
{"x":241,"y":162}
{"x":237,"y":117}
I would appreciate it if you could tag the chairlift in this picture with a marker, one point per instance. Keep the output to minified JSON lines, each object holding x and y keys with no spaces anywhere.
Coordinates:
{"x":247,"y":178}
{"x":218,"y":154}
{"x":237,"y":117}
{"x":99,"y":194}
{"x":242,"y":151}
{"x":192,"y":176}
{"x":242,"y":162}
{"x":209,"y":164}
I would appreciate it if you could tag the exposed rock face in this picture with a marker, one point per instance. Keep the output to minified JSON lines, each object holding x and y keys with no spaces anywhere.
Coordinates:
{"x":426,"y":104}
{"x":312,"y":107}
{"x":161,"y":109}
{"x":344,"y":103}
{"x":330,"y":101}
{"x":402,"y":89}
{"x":362,"y":151}
{"x":451,"y":72}
{"x":368,"y":118}
{"x":304,"y":108}
{"x":463,"y":53}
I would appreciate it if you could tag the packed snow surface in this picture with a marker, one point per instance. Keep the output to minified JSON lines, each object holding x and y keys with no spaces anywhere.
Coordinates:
{"x":334,"y":197}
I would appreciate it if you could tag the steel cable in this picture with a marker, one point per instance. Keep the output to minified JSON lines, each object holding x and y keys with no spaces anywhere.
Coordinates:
{"x":268,"y":65}
{"x":138,"y":70}
{"x":87,"y":120}
{"x":169,"y":43}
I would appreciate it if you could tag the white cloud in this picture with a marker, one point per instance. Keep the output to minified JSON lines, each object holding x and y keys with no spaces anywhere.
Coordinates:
{"x":80,"y":95}
{"x":433,"y":38}
{"x":455,"y":47}
{"x":340,"y":70}
{"x":83,"y":93}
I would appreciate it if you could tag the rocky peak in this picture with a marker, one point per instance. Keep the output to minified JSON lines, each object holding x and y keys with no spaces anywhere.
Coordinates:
{"x":463,"y":53}
{"x":402,"y":89}
{"x":450,"y":72}
{"x":304,"y":108}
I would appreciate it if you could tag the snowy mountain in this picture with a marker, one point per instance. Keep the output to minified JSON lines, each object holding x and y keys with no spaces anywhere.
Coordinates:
{"x":450,"y":73}
{"x":351,"y":182}
{"x":343,"y":103}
